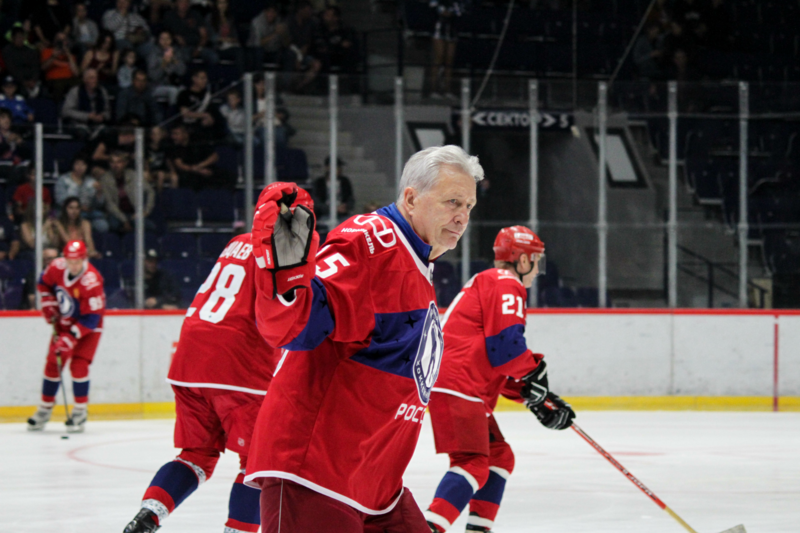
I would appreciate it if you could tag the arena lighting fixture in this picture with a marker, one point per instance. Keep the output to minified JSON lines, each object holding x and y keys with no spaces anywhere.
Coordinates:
{"x":623,"y":168}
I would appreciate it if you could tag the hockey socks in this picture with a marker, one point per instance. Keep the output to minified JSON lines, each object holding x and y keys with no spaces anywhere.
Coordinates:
{"x":80,"y":389}
{"x":486,"y":502}
{"x":50,"y":390}
{"x":454,"y":492}
{"x":244,"y":508}
{"x":172,"y":484}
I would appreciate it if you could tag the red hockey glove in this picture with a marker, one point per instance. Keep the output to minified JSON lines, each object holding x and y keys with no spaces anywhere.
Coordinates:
{"x":64,"y":345}
{"x":50,"y":310}
{"x":284,"y":240}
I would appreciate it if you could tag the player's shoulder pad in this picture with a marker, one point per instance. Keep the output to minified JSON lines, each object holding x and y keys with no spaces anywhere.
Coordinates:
{"x":371,"y":233}
{"x":59,"y":263}
{"x":499,"y":277}
{"x":91,"y":279}
{"x":239,"y":248}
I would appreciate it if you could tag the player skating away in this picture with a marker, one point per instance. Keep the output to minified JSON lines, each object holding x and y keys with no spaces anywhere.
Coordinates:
{"x":344,"y":411}
{"x":486,"y":355}
{"x":73,"y":301}
{"x":220,"y":373}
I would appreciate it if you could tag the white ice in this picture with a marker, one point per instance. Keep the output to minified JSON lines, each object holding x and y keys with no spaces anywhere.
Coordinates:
{"x":716,"y":470}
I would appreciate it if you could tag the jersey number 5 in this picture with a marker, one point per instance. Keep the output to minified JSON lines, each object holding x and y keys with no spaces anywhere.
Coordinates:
{"x":508,"y":305}
{"x":227,"y":287}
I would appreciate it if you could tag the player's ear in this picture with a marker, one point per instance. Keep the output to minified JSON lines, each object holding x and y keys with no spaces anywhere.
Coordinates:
{"x":409,"y":198}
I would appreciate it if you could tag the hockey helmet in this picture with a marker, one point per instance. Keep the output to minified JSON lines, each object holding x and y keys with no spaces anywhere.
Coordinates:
{"x":75,"y":250}
{"x":514,"y":241}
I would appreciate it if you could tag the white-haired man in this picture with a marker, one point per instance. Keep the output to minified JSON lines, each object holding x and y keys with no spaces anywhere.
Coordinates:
{"x":361,"y":326}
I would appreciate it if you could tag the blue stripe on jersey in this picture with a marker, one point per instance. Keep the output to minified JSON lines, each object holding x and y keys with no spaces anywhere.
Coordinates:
{"x":506,"y":345}
{"x":422,"y":249}
{"x":90,"y":321}
{"x":394,"y":342}
{"x":320,"y":321}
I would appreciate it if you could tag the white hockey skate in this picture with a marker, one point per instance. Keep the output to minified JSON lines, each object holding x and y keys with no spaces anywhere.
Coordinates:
{"x":77,"y":421}
{"x":39,"y":418}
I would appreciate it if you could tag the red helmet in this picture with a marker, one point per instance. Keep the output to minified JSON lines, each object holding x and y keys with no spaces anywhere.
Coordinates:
{"x":514,"y":241}
{"x":75,"y":250}
{"x":303,"y":198}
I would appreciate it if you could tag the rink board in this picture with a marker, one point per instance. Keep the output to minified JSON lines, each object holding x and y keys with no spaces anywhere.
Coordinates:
{"x":610,"y":359}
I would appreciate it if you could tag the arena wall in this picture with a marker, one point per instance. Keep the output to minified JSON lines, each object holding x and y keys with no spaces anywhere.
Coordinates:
{"x":616,"y":359}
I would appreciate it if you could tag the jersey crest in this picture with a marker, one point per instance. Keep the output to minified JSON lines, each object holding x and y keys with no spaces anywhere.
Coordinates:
{"x":66,"y":305}
{"x":429,"y":354}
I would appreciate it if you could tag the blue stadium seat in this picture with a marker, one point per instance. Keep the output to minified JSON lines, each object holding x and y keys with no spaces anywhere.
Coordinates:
{"x":179,"y":204}
{"x":109,"y":269}
{"x":187,"y":295}
{"x":588,"y":297}
{"x":558,"y":297}
{"x":179,"y":246}
{"x":184,"y":270}
{"x":212,"y":244}
{"x":296,"y":166}
{"x":129,"y":243}
{"x":204,"y":267}
{"x":108,"y":244}
{"x":11,"y":295}
{"x":216,"y":204}
{"x":229,"y":159}
{"x":64,"y":152}
{"x":20,"y":268}
{"x":446,"y":282}
{"x":118,"y":299}
{"x":45,"y":110}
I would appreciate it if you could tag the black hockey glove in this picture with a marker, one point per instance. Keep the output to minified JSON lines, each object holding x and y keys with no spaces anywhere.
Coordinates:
{"x":554,"y":413}
{"x":535,"y":388}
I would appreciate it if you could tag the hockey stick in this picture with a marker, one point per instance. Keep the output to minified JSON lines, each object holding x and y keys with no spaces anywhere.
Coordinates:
{"x":642,"y":487}
{"x":61,"y":377}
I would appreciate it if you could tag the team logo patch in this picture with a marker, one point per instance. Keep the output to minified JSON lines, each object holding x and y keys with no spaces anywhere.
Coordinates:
{"x":429,"y":354}
{"x":66,"y":305}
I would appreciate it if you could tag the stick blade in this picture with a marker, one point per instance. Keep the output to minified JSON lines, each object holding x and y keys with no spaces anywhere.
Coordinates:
{"x":737,"y":529}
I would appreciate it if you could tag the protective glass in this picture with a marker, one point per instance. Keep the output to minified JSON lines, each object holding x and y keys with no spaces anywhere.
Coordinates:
{"x":542,"y":263}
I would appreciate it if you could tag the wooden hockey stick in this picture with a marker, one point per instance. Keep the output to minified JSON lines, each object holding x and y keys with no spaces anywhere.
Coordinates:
{"x":642,"y":487}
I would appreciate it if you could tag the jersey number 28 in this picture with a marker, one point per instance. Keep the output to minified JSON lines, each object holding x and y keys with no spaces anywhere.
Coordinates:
{"x":227,"y":287}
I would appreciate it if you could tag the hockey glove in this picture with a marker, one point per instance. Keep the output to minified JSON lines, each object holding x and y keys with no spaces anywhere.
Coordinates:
{"x":64,"y":344}
{"x":284,"y":240}
{"x":535,"y":387}
{"x":50,"y":310}
{"x":554,"y":413}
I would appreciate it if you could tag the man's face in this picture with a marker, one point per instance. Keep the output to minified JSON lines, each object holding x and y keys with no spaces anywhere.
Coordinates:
{"x":5,"y":122}
{"x":140,"y":82}
{"x":200,"y":80}
{"x":271,"y":14}
{"x":440,"y":215}
{"x":9,"y":89}
{"x":80,"y":12}
{"x":18,"y":39}
{"x":74,"y":266}
{"x":79,"y":167}
{"x":123,"y":5}
{"x":182,"y":6}
{"x":179,"y":136}
{"x":165,"y":40}
{"x":118,"y":165}
{"x":150,"y":265}
{"x":48,"y":255}
{"x":90,"y":80}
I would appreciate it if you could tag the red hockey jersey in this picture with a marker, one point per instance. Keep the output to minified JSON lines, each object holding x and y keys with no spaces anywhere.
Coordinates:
{"x":81,"y":301}
{"x":344,"y":410}
{"x":220,"y":346}
{"x":484,"y":338}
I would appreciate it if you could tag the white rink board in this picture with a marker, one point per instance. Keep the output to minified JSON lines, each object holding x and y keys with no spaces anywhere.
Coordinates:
{"x":588,"y":353}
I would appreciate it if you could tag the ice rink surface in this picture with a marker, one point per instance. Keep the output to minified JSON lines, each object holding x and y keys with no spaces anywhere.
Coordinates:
{"x":716,"y":470}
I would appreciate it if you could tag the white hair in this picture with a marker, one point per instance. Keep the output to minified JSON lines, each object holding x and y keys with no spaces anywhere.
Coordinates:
{"x":422,"y":169}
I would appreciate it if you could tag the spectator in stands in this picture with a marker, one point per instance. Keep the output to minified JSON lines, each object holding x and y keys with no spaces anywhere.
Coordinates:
{"x":268,"y":37}
{"x":302,"y":30}
{"x":233,"y":113}
{"x":345,"y":201}
{"x":156,"y":157}
{"x":27,"y":230}
{"x":165,"y":66}
{"x":25,"y":194}
{"x":10,"y":141}
{"x":32,"y":88}
{"x":21,"y":113}
{"x":104,"y":58}
{"x":120,"y":139}
{"x":119,"y":189}
{"x":191,"y":165}
{"x":197,"y":109}
{"x":49,"y":19}
{"x":160,"y":289}
{"x":59,"y":67}
{"x":223,"y":35}
{"x":87,"y":106}
{"x":337,"y":43}
{"x":647,"y":54}
{"x":77,"y":184}
{"x":22,"y":61}
{"x":445,"y":38}
{"x":283,"y":130}
{"x":84,"y":30}
{"x":70,"y":226}
{"x":138,"y":100}
{"x":129,"y":29}
{"x":9,"y":240}
{"x":190,"y":31}
{"x":29,"y":285}
{"x":126,"y":69}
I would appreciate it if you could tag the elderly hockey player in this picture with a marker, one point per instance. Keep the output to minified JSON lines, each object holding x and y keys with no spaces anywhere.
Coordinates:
{"x":485,"y":355}
{"x":220,"y":373}
{"x":360,"y":321}
{"x":73,"y":301}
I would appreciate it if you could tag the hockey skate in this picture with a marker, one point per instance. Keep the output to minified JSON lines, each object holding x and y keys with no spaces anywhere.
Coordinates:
{"x":143,"y":522}
{"x":39,"y":418}
{"x":76,"y":421}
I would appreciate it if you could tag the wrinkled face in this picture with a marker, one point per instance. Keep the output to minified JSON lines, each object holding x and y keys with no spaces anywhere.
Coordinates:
{"x":440,"y":215}
{"x":73,"y":210}
{"x":118,"y":164}
{"x":140,"y":82}
{"x":165,"y":40}
{"x":79,"y":167}
{"x":74,"y":266}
